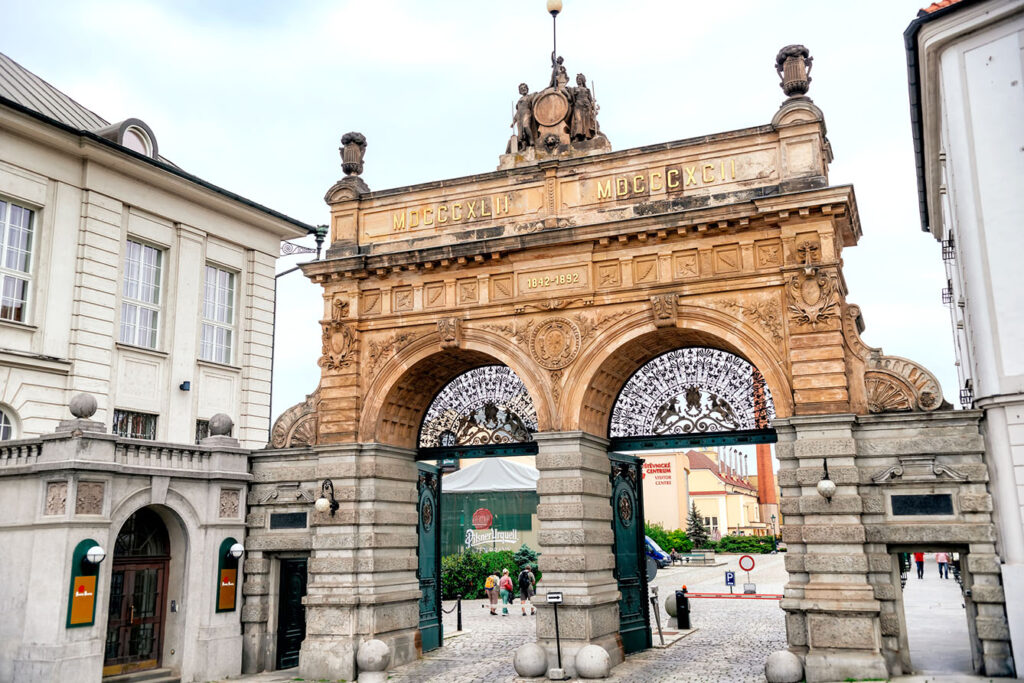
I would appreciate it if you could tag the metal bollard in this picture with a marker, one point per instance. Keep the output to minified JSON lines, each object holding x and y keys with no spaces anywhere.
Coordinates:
{"x":458,"y":613}
{"x":682,"y":610}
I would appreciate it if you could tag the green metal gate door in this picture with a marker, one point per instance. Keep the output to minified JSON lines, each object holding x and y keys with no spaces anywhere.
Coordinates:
{"x":630,"y":555}
{"x":429,"y":555}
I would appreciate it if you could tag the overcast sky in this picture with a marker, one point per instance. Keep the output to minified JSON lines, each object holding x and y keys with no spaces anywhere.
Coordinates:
{"x":254,"y":96}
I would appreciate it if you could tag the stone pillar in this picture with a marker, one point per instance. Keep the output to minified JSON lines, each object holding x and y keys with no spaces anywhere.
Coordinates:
{"x":362,"y":568}
{"x":575,"y":540}
{"x":832,"y":615}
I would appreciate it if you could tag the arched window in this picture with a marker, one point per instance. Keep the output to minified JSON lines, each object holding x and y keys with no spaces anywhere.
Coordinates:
{"x":6,"y":426}
{"x":143,"y":535}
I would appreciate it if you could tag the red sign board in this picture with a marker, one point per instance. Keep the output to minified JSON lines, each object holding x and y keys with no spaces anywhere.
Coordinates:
{"x":482,"y":518}
{"x":746,"y":563}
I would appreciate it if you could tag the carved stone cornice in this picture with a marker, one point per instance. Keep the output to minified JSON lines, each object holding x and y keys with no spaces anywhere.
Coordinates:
{"x":917,"y":468}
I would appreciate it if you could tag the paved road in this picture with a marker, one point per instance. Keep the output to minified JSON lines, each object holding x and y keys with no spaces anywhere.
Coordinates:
{"x":732,"y":640}
{"x":936,"y":622}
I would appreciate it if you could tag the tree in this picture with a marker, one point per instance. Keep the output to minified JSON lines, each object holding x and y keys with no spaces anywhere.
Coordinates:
{"x":695,"y":528}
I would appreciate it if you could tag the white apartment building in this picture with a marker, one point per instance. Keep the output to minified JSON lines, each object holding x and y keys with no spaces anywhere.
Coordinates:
{"x":127,"y":278}
{"x":967,"y":109}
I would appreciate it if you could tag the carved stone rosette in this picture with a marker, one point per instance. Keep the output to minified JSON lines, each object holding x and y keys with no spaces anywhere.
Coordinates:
{"x":663,"y":307}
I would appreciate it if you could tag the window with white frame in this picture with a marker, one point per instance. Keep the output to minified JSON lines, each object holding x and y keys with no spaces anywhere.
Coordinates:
{"x":15,"y":260}
{"x":217,"y":337}
{"x":6,"y":426}
{"x":140,"y":295}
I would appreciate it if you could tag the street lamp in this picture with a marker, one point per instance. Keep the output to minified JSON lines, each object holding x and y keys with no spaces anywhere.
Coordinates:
{"x":554,"y":7}
{"x":323,"y":504}
{"x":775,"y":535}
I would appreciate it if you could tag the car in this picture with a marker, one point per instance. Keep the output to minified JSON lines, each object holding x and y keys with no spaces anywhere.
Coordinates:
{"x":655,"y":552}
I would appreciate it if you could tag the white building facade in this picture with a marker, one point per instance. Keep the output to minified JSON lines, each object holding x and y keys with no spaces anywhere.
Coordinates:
{"x":124,"y":278}
{"x":967,"y":102}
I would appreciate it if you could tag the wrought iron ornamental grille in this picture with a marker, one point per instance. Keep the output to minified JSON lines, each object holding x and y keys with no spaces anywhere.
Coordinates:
{"x":484,"y":406}
{"x":691,"y":391}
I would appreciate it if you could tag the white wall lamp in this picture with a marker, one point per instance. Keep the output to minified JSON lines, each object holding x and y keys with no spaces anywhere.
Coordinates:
{"x":323,"y":504}
{"x":236,"y":551}
{"x":826,"y":487}
{"x":95,"y":555}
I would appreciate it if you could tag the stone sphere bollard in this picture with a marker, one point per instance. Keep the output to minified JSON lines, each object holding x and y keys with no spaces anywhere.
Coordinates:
{"x":592,"y":661}
{"x":670,"y":604}
{"x":530,"y":660}
{"x":220,"y":425}
{"x":783,"y":667}
{"x":83,"y":406}
{"x":372,"y":660}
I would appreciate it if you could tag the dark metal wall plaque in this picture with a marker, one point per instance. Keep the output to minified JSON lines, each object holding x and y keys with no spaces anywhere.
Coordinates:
{"x":923,"y":504}
{"x":287,"y":520}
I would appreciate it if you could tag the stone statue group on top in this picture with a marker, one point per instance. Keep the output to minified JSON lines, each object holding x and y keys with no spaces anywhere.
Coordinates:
{"x":557,"y":120}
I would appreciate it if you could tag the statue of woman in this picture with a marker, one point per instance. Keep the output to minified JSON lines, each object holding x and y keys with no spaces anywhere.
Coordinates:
{"x":584,"y":111}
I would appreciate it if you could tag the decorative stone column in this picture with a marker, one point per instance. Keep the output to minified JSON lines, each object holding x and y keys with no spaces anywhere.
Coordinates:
{"x":832,"y":616}
{"x":575,"y":540}
{"x":362,"y":570}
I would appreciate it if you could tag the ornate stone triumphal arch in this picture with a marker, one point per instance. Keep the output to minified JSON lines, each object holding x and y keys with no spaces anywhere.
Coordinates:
{"x":575,"y":266}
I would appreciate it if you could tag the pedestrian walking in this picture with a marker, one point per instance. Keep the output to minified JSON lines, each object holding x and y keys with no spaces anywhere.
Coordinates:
{"x":491,"y":588}
{"x":943,"y":560}
{"x":527,"y":581}
{"x":505,"y":587}
{"x":919,"y":559}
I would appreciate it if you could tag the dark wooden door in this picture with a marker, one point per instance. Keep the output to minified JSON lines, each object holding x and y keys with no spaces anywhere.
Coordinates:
{"x":291,"y":614}
{"x":135,"y":620}
{"x":429,"y":555}
{"x":630,"y":553}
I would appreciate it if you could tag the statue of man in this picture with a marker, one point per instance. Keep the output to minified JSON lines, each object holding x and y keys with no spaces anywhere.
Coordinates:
{"x":524,"y":117}
{"x":584,"y":111}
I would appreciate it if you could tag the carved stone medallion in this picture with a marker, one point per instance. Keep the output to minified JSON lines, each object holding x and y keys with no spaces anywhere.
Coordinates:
{"x":338,"y":340}
{"x":555,"y":343}
{"x":448,"y":329}
{"x":815,"y":298}
{"x":663,"y":306}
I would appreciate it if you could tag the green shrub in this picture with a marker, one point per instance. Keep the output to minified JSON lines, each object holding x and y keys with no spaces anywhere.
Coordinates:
{"x":668,"y":540}
{"x":465,"y":573}
{"x":746,"y":544}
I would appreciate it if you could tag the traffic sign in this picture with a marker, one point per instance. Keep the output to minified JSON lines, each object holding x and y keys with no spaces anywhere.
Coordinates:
{"x":746,"y":563}
{"x":554,"y":598}
{"x":730,"y":578}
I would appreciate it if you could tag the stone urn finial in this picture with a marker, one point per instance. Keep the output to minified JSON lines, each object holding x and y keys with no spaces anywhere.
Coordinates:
{"x":793,"y":63}
{"x":353,"y":147}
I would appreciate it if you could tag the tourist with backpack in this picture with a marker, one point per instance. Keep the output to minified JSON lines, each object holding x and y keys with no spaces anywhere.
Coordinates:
{"x":505,"y":586}
{"x":491,"y":588}
{"x":527,"y":581}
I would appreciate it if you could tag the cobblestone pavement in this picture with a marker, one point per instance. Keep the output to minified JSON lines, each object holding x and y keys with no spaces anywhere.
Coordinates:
{"x":732,"y":640}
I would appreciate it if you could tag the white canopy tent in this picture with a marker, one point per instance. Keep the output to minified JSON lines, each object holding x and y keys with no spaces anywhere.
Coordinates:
{"x":493,"y":474}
